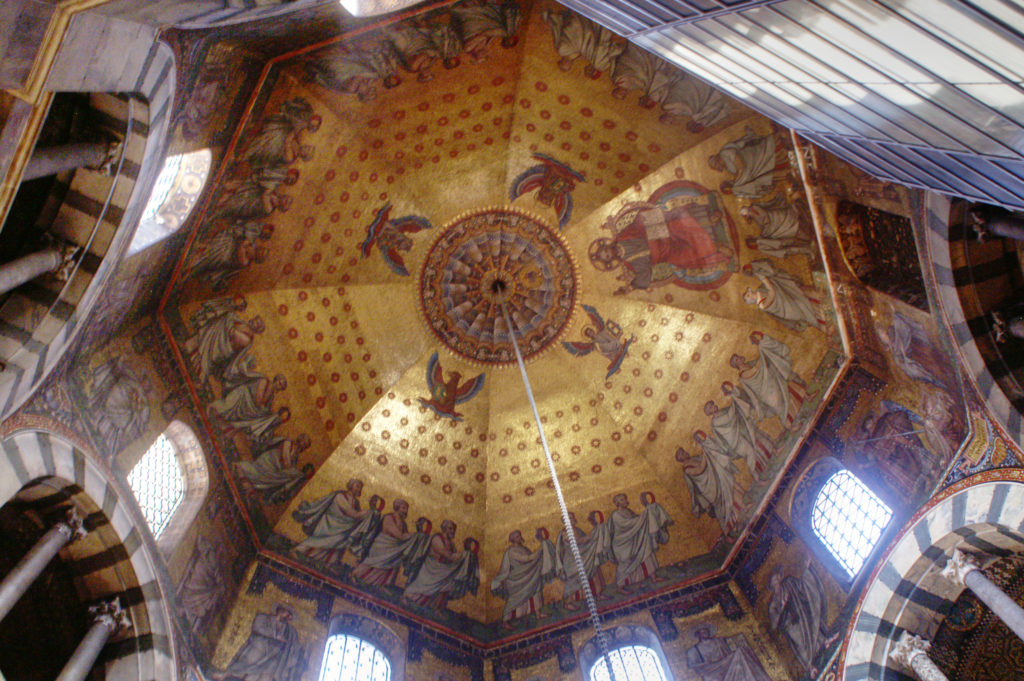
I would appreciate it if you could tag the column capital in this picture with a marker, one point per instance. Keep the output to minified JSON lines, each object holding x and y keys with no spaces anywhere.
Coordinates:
{"x":958,"y":566}
{"x":907,"y":648}
{"x":111,"y":614}
{"x":108,"y":165}
{"x":67,"y":252}
{"x":72,"y":526}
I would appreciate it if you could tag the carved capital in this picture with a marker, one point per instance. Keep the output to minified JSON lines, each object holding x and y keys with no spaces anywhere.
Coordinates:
{"x":957,"y":567}
{"x":907,"y":648}
{"x":72,"y":526}
{"x":109,"y":163}
{"x":67,"y":263}
{"x":111,"y":615}
{"x":68,"y":252}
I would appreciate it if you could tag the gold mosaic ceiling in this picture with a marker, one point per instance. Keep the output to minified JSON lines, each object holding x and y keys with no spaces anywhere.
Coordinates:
{"x":335,"y":316}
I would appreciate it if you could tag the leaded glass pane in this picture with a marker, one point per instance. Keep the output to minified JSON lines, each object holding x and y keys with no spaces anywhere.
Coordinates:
{"x":849,"y":519}
{"x":348,"y":658}
{"x":629,"y":663}
{"x":158,"y":484}
{"x":174,"y":195}
{"x":162,"y":187}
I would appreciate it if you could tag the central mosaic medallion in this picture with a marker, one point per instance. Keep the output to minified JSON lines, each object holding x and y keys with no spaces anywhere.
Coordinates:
{"x":486,"y":254}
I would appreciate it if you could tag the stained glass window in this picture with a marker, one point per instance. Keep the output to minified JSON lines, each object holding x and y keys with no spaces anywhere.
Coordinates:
{"x":348,"y":658}
{"x":158,"y":483}
{"x":630,"y":663}
{"x":849,"y":519}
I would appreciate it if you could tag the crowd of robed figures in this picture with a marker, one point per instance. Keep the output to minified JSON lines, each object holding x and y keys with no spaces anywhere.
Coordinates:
{"x":438,"y":570}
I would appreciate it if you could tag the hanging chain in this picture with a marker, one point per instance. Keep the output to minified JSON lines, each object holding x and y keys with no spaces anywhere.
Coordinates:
{"x":570,"y":532}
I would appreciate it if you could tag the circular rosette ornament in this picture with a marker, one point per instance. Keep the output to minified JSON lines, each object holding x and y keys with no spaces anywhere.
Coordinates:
{"x":488,"y":255}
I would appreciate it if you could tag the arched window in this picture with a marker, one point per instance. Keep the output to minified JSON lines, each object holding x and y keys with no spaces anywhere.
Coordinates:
{"x":170,"y":482}
{"x":174,"y":195}
{"x":630,"y":663}
{"x":350,"y":658}
{"x":635,"y":654}
{"x":849,"y":519}
{"x":158,"y":484}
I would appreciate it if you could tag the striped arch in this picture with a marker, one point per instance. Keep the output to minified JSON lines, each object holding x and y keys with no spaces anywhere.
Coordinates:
{"x":34,"y":337}
{"x":44,"y":469}
{"x":906,"y":591}
{"x":964,"y":323}
{"x":205,"y":13}
{"x":211,"y":13}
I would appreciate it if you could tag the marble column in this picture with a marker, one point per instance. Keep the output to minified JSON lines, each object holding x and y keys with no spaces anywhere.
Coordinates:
{"x":912,"y":652}
{"x":53,"y":160}
{"x":17,"y":582}
{"x":963,"y":570}
{"x":108,"y":618}
{"x":26,"y":268}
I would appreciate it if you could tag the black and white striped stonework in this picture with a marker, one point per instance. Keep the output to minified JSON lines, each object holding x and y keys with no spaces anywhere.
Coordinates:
{"x":966,"y":319}
{"x":37,"y":323}
{"x":983,"y":515}
{"x":205,"y":13}
{"x":43,"y":471}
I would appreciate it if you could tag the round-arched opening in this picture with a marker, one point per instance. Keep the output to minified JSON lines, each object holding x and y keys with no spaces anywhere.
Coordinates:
{"x":43,"y":628}
{"x":974,"y":280}
{"x":170,"y":483}
{"x":839,"y":517}
{"x":49,"y":475}
{"x":91,"y":216}
{"x":907,"y":592}
{"x":350,"y":658}
{"x":635,"y":654}
{"x":361,"y":649}
{"x":848,"y":518}
{"x":630,"y":663}
{"x":174,"y":195}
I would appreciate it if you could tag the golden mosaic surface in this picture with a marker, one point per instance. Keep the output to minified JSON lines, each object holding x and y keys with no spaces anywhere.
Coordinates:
{"x":341,"y":323}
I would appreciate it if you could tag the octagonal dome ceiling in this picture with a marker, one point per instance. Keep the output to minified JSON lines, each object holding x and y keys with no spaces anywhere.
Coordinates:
{"x":337,"y":318}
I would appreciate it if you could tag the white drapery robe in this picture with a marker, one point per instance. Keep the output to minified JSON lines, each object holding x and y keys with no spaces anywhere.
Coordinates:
{"x":635,"y":538}
{"x":521,"y":578}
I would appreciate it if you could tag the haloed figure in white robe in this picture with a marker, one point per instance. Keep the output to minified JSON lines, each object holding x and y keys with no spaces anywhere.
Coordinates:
{"x":390,"y":548}
{"x":635,"y":539}
{"x":272,"y":652}
{"x":785,"y":228}
{"x":782,"y":296}
{"x":274,"y":470}
{"x":334,"y":523}
{"x":777,"y":389}
{"x":595,"y":550}
{"x":740,"y":436}
{"x":522,"y":576}
{"x":755,"y":161}
{"x":443,"y":573}
{"x":711,"y":480}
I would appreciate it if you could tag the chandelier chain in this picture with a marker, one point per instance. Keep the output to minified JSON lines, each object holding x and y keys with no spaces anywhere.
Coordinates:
{"x":570,"y":533}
